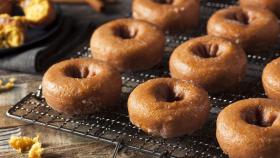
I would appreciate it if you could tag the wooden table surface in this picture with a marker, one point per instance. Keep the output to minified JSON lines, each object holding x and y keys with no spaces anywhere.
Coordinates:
{"x":57,"y":144}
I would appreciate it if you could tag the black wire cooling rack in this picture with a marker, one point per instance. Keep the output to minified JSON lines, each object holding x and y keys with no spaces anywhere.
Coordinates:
{"x":114,"y":126}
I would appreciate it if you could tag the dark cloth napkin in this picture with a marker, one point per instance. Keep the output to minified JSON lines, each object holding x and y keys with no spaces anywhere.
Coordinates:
{"x":53,"y":49}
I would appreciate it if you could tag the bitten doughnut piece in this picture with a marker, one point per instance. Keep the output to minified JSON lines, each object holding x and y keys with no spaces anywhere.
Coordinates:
{"x":214,"y":63}
{"x":12,"y":31}
{"x":38,"y":12}
{"x":170,"y":15}
{"x":81,"y":86}
{"x":250,"y":128}
{"x":254,"y":29}
{"x":168,"y":107}
{"x":128,"y":44}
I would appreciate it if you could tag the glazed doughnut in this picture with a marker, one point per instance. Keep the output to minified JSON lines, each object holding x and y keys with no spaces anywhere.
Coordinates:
{"x":81,"y":86}
{"x":169,"y":15}
{"x":271,"y":79}
{"x":254,"y":29}
{"x":12,"y":31}
{"x":38,"y":12}
{"x":272,"y":5}
{"x":128,"y":45}
{"x":250,"y":128}
{"x":5,"y":7}
{"x":214,"y":63}
{"x":168,"y":107}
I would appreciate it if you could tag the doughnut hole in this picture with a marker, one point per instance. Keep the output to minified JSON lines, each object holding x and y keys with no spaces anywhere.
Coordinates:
{"x":259,"y":117}
{"x":241,"y":17}
{"x":168,"y":93}
{"x":125,"y":32}
{"x":206,"y":50}
{"x":164,"y":1}
{"x":79,"y":73}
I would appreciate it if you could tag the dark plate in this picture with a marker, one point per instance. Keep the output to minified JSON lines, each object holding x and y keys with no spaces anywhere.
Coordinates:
{"x":36,"y":35}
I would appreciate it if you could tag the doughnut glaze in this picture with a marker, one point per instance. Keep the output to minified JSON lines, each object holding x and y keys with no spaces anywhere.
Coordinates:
{"x":81,"y":86}
{"x":169,"y":15}
{"x":214,"y":63}
{"x":250,"y":128}
{"x":128,"y":45}
{"x":254,"y":29}
{"x":168,"y":107}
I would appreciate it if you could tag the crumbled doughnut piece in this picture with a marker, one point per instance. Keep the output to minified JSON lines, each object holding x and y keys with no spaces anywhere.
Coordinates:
{"x":7,"y":86}
{"x":23,"y":144}
{"x":36,"y":151}
{"x":12,"y":31}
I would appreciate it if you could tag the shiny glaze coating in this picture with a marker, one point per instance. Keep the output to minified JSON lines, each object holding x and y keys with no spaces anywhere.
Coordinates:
{"x":254,"y":29}
{"x":5,"y":6}
{"x":128,"y":45}
{"x":271,"y":79}
{"x":250,"y":128}
{"x":214,"y":63}
{"x":168,"y":107}
{"x":81,"y":86}
{"x":169,"y":15}
{"x":272,"y":5}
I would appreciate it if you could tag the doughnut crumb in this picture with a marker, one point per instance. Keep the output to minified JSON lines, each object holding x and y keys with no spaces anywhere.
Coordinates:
{"x":35,"y":151}
{"x":7,"y":86}
{"x":22,"y":144}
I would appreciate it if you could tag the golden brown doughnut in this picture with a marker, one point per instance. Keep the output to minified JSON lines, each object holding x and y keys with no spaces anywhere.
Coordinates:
{"x":168,"y":107}
{"x":5,"y":6}
{"x":212,"y":62}
{"x":271,"y":79}
{"x":250,"y":129}
{"x":169,"y":15}
{"x":128,"y":45}
{"x":254,"y":29}
{"x":272,"y":5}
{"x":81,"y":86}
{"x":38,"y":12}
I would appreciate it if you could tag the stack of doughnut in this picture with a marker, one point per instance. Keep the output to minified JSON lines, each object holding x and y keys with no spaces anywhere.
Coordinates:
{"x":172,"y":107}
{"x":37,"y":13}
